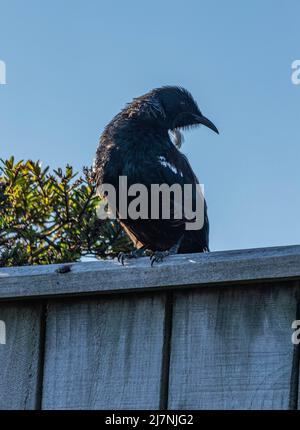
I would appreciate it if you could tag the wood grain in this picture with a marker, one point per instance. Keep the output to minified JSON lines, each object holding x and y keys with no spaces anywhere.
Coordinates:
{"x":232,"y":349}
{"x":181,"y":271}
{"x":19,"y":357}
{"x":225,"y":343}
{"x":104,"y":354}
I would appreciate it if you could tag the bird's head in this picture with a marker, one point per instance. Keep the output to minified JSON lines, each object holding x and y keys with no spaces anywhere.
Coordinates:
{"x":178,"y":109}
{"x":169,"y":107}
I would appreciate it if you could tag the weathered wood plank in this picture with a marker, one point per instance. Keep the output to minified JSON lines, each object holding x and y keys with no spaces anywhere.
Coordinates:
{"x":232,"y":349}
{"x":19,"y":356}
{"x":177,"y":271}
{"x":104,"y":354}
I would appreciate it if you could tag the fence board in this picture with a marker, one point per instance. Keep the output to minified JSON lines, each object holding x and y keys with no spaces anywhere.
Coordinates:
{"x":180,"y":271}
{"x":225,"y":343}
{"x":232,"y":349}
{"x":104,"y":354}
{"x":19,"y":357}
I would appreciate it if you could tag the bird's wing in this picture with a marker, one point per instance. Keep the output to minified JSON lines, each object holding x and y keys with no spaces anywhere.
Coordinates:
{"x":170,"y":168}
{"x":180,"y":171}
{"x":174,"y":168}
{"x":157,"y":164}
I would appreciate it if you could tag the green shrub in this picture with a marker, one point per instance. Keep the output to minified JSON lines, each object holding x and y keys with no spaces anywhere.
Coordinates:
{"x":51,"y":217}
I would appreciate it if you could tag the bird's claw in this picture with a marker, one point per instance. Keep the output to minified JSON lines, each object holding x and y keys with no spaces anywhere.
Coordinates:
{"x":158,"y":256}
{"x":123,"y":256}
{"x":126,"y":256}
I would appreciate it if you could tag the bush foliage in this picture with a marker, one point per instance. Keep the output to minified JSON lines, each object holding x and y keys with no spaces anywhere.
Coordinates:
{"x":51,"y":217}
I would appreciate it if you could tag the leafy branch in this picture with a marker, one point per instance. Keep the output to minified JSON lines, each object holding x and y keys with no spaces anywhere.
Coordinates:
{"x":52,"y":217}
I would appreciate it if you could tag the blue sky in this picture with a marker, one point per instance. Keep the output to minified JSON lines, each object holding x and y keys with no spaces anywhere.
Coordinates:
{"x":72,"y":65}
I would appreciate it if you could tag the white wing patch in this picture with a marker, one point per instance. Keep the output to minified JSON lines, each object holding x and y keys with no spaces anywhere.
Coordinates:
{"x":166,"y":163}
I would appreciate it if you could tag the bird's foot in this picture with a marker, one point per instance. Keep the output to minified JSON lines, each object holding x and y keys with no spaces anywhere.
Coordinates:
{"x":123,"y":256}
{"x":158,"y":256}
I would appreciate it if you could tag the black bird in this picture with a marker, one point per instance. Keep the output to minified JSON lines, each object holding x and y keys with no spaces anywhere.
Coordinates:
{"x":137,"y":144}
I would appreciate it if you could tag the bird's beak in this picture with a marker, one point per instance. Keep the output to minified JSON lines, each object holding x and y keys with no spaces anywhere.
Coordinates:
{"x":205,"y":121}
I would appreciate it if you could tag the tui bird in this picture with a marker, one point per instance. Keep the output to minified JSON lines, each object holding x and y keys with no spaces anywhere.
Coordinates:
{"x":137,"y":144}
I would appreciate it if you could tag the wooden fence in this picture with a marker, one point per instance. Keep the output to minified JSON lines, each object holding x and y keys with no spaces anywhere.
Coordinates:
{"x":199,"y":331}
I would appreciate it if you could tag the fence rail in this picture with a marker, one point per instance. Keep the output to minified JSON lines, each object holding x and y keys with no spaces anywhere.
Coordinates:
{"x":199,"y":331}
